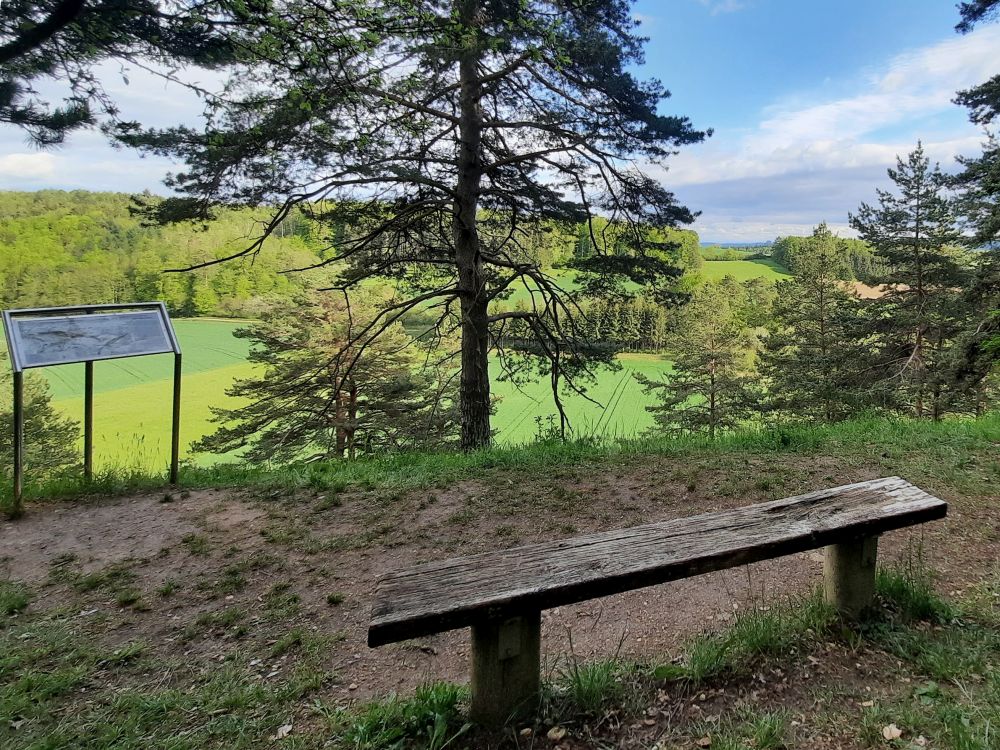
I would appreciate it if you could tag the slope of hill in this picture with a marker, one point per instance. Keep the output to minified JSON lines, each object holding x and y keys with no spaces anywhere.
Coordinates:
{"x":215,"y":617}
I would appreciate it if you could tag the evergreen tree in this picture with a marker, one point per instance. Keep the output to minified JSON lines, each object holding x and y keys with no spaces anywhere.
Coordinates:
{"x":915,"y":321}
{"x":49,"y":438}
{"x":979,"y":203}
{"x":319,"y":396}
{"x":443,"y":133}
{"x":711,"y":386}
{"x":61,"y":42}
{"x":811,"y":358}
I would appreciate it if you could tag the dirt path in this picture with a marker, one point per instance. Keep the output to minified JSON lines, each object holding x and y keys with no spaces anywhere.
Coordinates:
{"x":309,"y":562}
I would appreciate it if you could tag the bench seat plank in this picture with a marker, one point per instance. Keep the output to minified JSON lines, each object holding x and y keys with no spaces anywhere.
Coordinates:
{"x":455,"y":593}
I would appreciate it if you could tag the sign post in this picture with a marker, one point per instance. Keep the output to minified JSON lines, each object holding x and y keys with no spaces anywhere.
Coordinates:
{"x":41,"y":337}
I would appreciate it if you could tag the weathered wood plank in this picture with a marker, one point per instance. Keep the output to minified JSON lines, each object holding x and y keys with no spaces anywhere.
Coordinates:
{"x":460,"y":592}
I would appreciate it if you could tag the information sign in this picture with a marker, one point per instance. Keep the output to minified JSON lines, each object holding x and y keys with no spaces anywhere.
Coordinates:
{"x":63,"y":339}
{"x":64,"y":335}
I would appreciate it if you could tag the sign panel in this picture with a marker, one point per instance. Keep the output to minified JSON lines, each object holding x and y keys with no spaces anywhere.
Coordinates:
{"x":64,"y":339}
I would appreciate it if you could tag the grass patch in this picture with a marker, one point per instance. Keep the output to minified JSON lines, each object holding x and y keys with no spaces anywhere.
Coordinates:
{"x":909,"y":591}
{"x":280,"y":602}
{"x":197,"y":544}
{"x":780,"y":630}
{"x":14,"y":598}
{"x":128,"y":597}
{"x":167,"y":589}
{"x":588,"y":688}
{"x":430,"y":720}
{"x":939,"y":450}
{"x":45,"y":666}
{"x":756,"y":729}
{"x":233,"y":622}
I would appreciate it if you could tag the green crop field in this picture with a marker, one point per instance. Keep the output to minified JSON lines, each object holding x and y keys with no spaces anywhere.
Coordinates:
{"x":132,"y":398}
{"x":741,"y":270}
{"x":744,"y":270}
{"x":620,"y":411}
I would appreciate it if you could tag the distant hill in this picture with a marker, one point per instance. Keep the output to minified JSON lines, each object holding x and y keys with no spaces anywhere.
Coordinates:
{"x":739,"y":245}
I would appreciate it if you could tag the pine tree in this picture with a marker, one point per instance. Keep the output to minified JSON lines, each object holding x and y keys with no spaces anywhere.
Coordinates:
{"x":317,"y":396}
{"x":49,"y":437}
{"x":444,"y":133}
{"x":914,"y":323}
{"x":811,"y":359}
{"x":712,"y":350}
{"x":55,"y":42}
{"x":979,"y":204}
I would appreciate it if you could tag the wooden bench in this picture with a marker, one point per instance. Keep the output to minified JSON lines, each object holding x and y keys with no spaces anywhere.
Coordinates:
{"x":501,"y":594}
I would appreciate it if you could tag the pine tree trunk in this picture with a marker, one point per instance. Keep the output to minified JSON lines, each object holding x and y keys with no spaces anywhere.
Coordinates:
{"x":341,"y":421}
{"x":353,"y":416}
{"x":474,"y":384}
{"x":711,"y":402}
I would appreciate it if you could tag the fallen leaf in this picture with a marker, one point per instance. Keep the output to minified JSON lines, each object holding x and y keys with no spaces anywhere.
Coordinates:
{"x":867,"y":704}
{"x":920,"y":741}
{"x":892,"y":732}
{"x":556,"y":733}
{"x":705,"y":741}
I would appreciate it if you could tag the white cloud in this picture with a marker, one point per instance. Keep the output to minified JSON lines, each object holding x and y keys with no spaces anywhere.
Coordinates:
{"x":808,"y":159}
{"x":845,"y":132}
{"x":27,"y":168}
{"x":717,"y":7}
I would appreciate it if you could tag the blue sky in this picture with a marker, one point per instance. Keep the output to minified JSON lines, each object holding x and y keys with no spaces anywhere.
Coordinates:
{"x":810,"y":101}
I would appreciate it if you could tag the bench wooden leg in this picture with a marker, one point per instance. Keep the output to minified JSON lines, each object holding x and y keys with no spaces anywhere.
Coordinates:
{"x":849,"y":575}
{"x":506,"y":659}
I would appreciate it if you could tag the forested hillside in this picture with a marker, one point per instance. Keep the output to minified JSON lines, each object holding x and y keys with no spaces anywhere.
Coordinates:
{"x":81,"y":247}
{"x":62,"y":248}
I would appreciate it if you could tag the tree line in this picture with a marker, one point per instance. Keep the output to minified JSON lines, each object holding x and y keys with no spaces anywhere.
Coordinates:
{"x":448,"y":135}
{"x":824,"y":353}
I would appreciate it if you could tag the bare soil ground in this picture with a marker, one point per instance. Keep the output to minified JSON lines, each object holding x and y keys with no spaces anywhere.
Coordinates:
{"x":215,"y":573}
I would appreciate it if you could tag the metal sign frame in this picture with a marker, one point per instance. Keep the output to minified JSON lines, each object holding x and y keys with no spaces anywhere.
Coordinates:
{"x":19,"y":365}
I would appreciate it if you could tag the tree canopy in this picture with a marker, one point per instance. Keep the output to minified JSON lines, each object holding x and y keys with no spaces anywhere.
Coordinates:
{"x":979,"y":202}
{"x":442,"y":134}
{"x":62,"y":41}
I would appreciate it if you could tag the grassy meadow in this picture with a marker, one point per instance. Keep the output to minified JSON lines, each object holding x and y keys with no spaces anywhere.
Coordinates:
{"x":132,"y":398}
{"x":744,"y":270}
{"x":741,"y":270}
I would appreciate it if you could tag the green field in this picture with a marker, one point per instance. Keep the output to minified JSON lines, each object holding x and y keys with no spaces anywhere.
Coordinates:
{"x":620,"y":411}
{"x":741,"y":270}
{"x":132,"y":398}
{"x":744,"y":270}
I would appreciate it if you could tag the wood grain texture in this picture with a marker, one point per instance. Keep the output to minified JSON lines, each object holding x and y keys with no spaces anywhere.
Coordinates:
{"x":456,"y":593}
